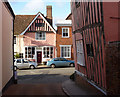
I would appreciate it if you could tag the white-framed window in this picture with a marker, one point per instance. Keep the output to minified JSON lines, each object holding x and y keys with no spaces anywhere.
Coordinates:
{"x":80,"y":52}
{"x":40,"y":35}
{"x":21,"y":55}
{"x":65,"y":51}
{"x":14,"y":39}
{"x":65,"y":32}
{"x":47,"y":52}
{"x":29,"y":52}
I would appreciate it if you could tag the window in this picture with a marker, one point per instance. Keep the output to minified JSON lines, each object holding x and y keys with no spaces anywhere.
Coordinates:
{"x":80,"y":53}
{"x":65,"y":51}
{"x":29,"y":52}
{"x":14,"y":39}
{"x":63,"y":59}
{"x":77,"y":3}
{"x":89,"y":50}
{"x":21,"y":55}
{"x":19,"y":61}
{"x":65,"y":32}
{"x":25,"y":61}
{"x":40,"y":35}
{"x":56,"y":59}
{"x":48,"y":52}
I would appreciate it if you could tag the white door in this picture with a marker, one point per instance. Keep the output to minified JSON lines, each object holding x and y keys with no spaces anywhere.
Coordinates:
{"x":80,"y":53}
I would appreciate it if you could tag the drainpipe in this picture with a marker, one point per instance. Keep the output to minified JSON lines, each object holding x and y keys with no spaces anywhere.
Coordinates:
{"x":14,"y":71}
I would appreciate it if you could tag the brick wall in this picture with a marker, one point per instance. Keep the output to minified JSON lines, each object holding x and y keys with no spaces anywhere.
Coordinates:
{"x":113,"y":68}
{"x":64,"y":41}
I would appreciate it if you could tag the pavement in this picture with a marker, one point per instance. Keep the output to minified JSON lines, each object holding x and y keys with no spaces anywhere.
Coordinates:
{"x":34,"y":90}
{"x":72,"y":89}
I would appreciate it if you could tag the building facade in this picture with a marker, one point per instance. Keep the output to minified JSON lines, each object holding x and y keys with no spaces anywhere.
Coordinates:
{"x":35,"y":38}
{"x":64,"y":43}
{"x":96,"y":42}
{"x":6,"y":45}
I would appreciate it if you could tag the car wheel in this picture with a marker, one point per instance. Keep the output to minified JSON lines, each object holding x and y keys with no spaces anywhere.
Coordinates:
{"x":15,"y":68}
{"x":71,"y":64}
{"x":32,"y":67}
{"x":52,"y":65}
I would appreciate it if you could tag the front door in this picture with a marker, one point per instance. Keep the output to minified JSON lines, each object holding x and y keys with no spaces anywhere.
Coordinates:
{"x":39,"y":57}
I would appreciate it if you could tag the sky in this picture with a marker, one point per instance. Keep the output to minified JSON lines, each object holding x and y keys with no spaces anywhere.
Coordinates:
{"x":60,"y":8}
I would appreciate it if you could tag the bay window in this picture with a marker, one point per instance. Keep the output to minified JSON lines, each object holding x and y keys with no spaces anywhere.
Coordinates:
{"x":47,"y":52}
{"x":29,"y":52}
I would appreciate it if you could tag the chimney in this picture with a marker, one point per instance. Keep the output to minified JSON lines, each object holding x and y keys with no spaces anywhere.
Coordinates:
{"x":49,"y":14}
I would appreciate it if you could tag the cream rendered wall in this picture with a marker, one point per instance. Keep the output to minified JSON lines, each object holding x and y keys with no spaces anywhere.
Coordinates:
{"x":7,"y":51}
{"x":0,"y":46}
{"x":19,"y":46}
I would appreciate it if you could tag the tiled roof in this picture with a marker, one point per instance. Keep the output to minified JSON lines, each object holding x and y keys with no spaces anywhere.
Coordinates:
{"x":21,"y":22}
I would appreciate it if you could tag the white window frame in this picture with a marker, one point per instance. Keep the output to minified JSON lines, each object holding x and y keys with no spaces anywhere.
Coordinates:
{"x":15,"y":40}
{"x":31,"y":51}
{"x":79,"y":50}
{"x":49,"y":51}
{"x":39,"y":37}
{"x":69,"y":52}
{"x":62,"y":33}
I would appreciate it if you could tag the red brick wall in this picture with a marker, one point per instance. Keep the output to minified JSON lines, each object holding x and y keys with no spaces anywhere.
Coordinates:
{"x":64,"y":41}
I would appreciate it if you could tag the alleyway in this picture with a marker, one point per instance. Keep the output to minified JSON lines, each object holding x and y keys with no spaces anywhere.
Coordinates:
{"x":41,"y":81}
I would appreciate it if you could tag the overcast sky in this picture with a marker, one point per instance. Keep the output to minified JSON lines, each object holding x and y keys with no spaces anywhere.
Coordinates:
{"x":60,"y":9}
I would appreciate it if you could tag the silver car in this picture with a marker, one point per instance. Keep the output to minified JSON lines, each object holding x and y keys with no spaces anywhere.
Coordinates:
{"x":23,"y":63}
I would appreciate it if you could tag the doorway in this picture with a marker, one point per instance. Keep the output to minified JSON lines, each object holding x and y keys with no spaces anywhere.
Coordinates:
{"x":39,"y":56}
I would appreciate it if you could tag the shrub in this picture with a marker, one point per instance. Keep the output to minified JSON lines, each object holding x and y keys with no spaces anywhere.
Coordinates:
{"x":17,"y":56}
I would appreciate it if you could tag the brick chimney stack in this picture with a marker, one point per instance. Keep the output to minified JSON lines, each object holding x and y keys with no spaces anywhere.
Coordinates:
{"x":49,"y":14}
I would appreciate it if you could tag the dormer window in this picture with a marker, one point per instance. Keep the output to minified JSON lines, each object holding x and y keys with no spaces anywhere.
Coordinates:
{"x":40,"y":36}
{"x":65,"y":32}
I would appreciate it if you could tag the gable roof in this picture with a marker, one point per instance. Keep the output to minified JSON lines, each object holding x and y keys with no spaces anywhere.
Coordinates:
{"x":23,"y":22}
{"x":34,"y":20}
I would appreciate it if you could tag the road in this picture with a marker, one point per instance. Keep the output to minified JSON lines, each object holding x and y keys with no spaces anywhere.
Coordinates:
{"x":44,"y":75}
{"x":40,"y":82}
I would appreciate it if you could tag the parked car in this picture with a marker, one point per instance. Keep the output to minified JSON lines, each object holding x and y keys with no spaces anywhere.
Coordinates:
{"x":56,"y":62}
{"x":23,"y":63}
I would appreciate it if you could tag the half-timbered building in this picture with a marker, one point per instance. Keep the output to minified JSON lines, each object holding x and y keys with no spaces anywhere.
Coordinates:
{"x":35,"y":37}
{"x":95,"y":31}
